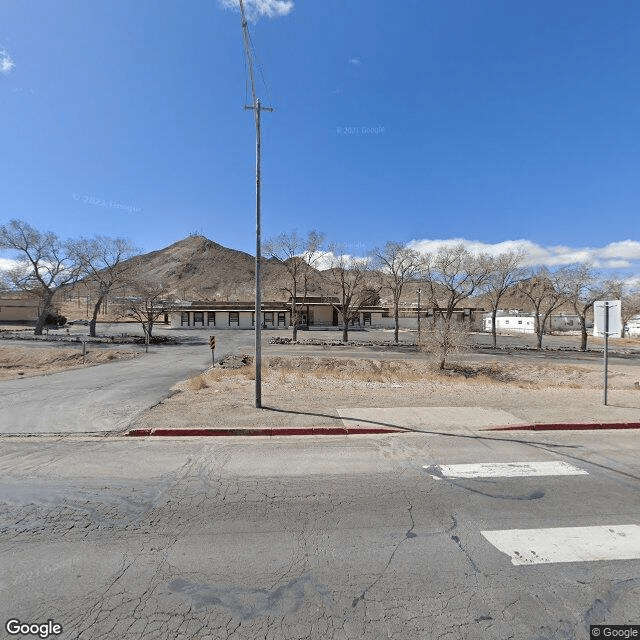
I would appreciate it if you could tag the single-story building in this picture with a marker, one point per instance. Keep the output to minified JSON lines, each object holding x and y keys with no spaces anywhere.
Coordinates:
{"x":522,"y":322}
{"x":567,"y":322}
{"x":227,"y":315}
{"x":314,"y":313}
{"x":19,"y":310}
{"x":510,"y":322}
{"x":408,"y":316}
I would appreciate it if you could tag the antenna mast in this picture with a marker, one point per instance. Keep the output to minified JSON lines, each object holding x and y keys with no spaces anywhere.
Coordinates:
{"x":257,"y":109}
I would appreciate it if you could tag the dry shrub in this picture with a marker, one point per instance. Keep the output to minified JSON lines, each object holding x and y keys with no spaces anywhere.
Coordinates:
{"x":197,"y":383}
{"x":220,"y":374}
{"x":525,"y":376}
{"x":490,"y":372}
{"x":443,"y":339}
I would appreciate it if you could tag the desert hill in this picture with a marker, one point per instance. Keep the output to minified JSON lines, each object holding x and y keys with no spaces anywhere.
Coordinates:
{"x":197,"y":268}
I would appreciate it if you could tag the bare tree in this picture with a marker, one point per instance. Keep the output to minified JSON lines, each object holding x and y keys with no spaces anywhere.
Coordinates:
{"x":629,"y":296}
{"x":105,"y":265}
{"x":505,"y":272}
{"x":349,"y":281}
{"x":452,"y":274}
{"x":298,"y":256}
{"x":444,"y":339}
{"x":630,"y":307}
{"x":45,"y":263}
{"x":546,"y":291}
{"x":148,"y":302}
{"x":583,"y":288}
{"x":398,"y":264}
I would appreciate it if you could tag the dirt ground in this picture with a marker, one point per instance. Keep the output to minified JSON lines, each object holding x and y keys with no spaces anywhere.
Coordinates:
{"x":304,"y":391}
{"x":19,"y":362}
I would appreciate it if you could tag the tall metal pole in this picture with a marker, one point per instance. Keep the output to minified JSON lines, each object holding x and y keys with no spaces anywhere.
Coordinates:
{"x":257,"y":318}
{"x":257,"y":108}
{"x":606,"y":348}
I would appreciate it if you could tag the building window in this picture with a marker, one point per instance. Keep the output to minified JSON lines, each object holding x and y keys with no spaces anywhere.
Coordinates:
{"x":184,"y":320}
{"x":519,"y":321}
{"x":253,"y":318}
{"x":211,"y":318}
{"x":282,"y":319}
{"x":198,"y":317}
{"x":366,"y":318}
{"x":506,"y":322}
{"x":234,"y":318}
{"x":268,"y":317}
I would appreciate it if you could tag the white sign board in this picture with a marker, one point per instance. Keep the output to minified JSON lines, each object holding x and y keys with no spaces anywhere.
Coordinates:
{"x":615,"y":317}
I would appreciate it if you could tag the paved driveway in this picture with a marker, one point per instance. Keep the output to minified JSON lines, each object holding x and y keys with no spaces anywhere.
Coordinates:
{"x":95,"y":399}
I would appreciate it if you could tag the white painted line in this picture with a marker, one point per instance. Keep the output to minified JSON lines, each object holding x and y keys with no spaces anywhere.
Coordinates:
{"x":508,"y":469}
{"x":568,"y":544}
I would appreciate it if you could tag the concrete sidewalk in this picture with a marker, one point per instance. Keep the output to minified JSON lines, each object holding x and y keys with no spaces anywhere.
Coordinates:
{"x":376,"y":420}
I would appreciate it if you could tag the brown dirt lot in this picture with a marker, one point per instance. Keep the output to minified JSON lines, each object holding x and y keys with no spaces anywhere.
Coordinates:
{"x":305,"y":391}
{"x":18,"y":362}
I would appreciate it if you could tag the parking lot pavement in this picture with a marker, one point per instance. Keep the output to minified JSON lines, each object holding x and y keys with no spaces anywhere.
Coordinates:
{"x":384,"y":536}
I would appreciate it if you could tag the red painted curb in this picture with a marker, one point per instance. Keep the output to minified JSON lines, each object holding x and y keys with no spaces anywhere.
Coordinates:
{"x":330,"y":431}
{"x":139,"y":432}
{"x":567,"y":426}
{"x":373,"y":430}
{"x":302,"y":431}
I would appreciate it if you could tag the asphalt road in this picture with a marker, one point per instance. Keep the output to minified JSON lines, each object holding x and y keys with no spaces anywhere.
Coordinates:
{"x":319,"y":538}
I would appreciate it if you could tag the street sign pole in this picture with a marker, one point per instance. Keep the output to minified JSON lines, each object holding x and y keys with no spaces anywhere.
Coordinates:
{"x":212,"y":346}
{"x":607,"y":321}
{"x":606,"y":348}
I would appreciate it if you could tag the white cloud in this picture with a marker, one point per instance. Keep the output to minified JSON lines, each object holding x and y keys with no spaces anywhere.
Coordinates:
{"x":255,"y":9}
{"x":6,"y":264}
{"x":616,"y":255}
{"x":325,"y":259}
{"x":6,"y":63}
{"x":355,"y":61}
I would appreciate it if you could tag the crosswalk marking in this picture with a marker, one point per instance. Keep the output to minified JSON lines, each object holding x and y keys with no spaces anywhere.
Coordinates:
{"x":567,"y":544}
{"x":507,"y":469}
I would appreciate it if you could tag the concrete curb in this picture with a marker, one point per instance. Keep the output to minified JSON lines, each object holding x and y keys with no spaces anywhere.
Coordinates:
{"x":303,"y":431}
{"x":566,"y":426}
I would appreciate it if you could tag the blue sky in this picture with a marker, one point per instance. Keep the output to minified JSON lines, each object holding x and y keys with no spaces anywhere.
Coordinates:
{"x":492,"y":122}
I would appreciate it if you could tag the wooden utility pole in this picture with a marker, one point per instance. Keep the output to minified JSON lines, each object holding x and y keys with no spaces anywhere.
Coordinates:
{"x":257,"y":109}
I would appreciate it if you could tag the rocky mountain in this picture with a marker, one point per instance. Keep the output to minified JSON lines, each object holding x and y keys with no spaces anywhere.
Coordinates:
{"x":197,"y":268}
